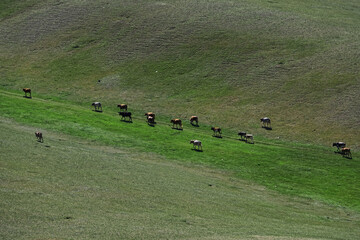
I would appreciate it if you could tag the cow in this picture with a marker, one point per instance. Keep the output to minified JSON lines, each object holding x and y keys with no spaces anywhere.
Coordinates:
{"x":26,"y":91}
{"x":176,"y":122}
{"x":242,"y":135}
{"x":122,"y":107}
{"x":125,"y":115}
{"x":196,"y":143}
{"x":249,"y":137}
{"x":151,"y":120}
{"x":339,"y":145}
{"x":266,"y":122}
{"x":217,"y":131}
{"x":97,"y":106}
{"x":346,"y":152}
{"x":150,"y":114}
{"x":194,"y":119}
{"x":39,"y":136}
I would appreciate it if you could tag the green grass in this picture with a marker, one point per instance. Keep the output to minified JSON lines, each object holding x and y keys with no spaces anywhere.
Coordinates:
{"x":71,"y":188}
{"x":292,"y":168}
{"x":231,"y":63}
{"x":228,"y":62}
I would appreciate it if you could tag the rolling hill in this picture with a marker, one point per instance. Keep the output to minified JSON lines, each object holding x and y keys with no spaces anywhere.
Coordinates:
{"x":228,"y":62}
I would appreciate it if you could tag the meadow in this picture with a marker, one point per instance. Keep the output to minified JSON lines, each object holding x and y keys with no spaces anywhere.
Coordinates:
{"x":95,"y":176}
{"x":228,"y":62}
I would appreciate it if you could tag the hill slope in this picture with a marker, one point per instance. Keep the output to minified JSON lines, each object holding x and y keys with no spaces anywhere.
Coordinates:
{"x":70,"y":188}
{"x":296,"y":169}
{"x":231,"y":63}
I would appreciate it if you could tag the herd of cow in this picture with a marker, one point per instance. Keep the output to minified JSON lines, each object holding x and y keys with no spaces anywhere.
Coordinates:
{"x":194,"y":120}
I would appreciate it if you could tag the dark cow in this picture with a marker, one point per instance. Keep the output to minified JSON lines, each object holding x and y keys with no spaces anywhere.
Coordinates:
{"x":39,"y":136}
{"x":266,"y":122}
{"x":26,"y":91}
{"x":176,"y":122}
{"x":97,"y":106}
{"x":339,"y":145}
{"x":122,"y":107}
{"x":217,"y":131}
{"x":150,"y":114}
{"x":242,"y":135}
{"x":194,"y":119}
{"x":196,"y":143}
{"x":125,"y":115}
{"x":151,"y":120}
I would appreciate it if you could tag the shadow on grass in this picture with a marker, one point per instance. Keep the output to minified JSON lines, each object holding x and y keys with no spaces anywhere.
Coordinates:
{"x":179,"y":129}
{"x":99,"y":111}
{"x":348,"y":156}
{"x":196,"y":150}
{"x":151,"y":124}
{"x":217,"y":136}
{"x":267,"y":128}
{"x":27,"y":97}
{"x":195,"y":125}
{"x":126,"y":121}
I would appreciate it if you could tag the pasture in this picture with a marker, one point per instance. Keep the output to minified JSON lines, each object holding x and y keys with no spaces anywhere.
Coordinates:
{"x":96,"y":177}
{"x":228,"y":62}
{"x":293,"y":168}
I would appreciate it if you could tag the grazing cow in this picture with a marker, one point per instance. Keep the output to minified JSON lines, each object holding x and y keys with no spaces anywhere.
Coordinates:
{"x":339,"y":145}
{"x":176,"y":122}
{"x":249,"y":137}
{"x":151,"y":120}
{"x":125,"y":115}
{"x":26,"y":91}
{"x":150,"y":114}
{"x":39,"y":136}
{"x":217,"y":131}
{"x":194,"y":119}
{"x":242,"y":135}
{"x":122,"y":107}
{"x":266,"y":122}
{"x":97,"y":106}
{"x":346,"y":152}
{"x":196,"y":143}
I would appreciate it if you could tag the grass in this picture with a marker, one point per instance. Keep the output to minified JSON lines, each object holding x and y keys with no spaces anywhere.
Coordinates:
{"x":231,"y":63}
{"x":68,"y":187}
{"x":292,"y":168}
{"x":228,"y":62}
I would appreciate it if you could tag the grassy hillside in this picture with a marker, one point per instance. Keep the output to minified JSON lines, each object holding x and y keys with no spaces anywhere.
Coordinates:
{"x":292,"y":168}
{"x":70,"y":188}
{"x":231,"y":63}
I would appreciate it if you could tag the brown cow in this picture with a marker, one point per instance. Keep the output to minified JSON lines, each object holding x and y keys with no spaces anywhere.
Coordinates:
{"x":176,"y":122}
{"x":39,"y":136}
{"x":122,"y":107}
{"x":217,"y":131}
{"x":249,"y":137}
{"x":26,"y":91}
{"x":346,"y":152}
{"x":194,"y":119}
